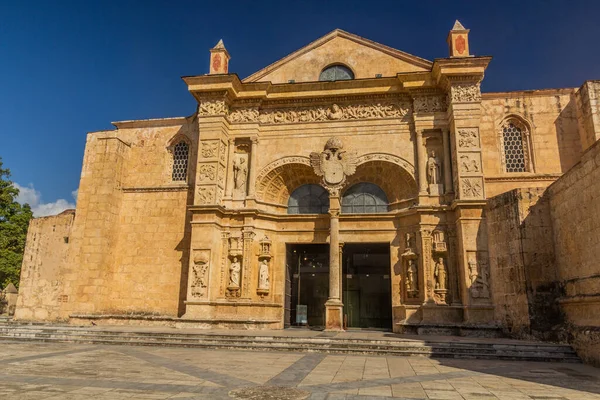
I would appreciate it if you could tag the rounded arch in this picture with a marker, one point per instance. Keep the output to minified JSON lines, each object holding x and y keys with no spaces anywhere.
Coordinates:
{"x":390,"y":173}
{"x":309,"y":199}
{"x":363,"y":198}
{"x":336,"y":72}
{"x":276,"y":182}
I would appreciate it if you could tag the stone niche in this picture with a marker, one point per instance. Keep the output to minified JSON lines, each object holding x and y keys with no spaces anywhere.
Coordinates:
{"x":434,"y":165}
{"x":240,"y":168}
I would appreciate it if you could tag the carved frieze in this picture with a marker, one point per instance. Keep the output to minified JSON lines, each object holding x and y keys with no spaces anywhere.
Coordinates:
{"x":199,"y":278}
{"x":428,"y":104}
{"x":465,"y":92}
{"x":212,"y":107}
{"x":249,"y":114}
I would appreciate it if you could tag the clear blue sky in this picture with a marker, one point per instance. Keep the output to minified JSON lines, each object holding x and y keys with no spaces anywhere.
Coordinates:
{"x":70,"y":67}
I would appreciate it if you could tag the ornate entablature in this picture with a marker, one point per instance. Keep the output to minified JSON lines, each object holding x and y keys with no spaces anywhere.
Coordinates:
{"x":428,"y":103}
{"x":336,"y":109}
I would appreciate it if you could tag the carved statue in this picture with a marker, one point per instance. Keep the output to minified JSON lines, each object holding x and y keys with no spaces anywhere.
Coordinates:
{"x":234,"y":273}
{"x":440,"y":274}
{"x":263,"y":276}
{"x":408,"y":240}
{"x":334,"y":164}
{"x":479,"y":276}
{"x":240,"y":173}
{"x":411,"y":277}
{"x":434,"y":170}
{"x":335,"y":112}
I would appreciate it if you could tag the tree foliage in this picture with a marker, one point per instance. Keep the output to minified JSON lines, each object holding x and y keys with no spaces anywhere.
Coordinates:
{"x":14,"y":221}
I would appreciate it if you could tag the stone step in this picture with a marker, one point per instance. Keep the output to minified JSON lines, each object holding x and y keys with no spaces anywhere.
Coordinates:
{"x":275,"y":340}
{"x":401,"y":347}
{"x":311,"y":349}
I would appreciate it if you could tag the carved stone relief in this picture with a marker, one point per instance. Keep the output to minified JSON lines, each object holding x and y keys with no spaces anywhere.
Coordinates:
{"x":412,"y":279}
{"x":209,"y":149}
{"x":468,"y":138}
{"x":472,"y":188}
{"x":469,"y":162}
{"x":334,"y":113}
{"x":434,"y":174}
{"x":222,"y":151}
{"x":440,"y":274}
{"x":334,"y":164}
{"x":479,"y":276}
{"x":206,"y":195}
{"x":249,"y":114}
{"x":240,"y":173}
{"x":465,"y":92}
{"x":200,"y":268}
{"x":207,"y":172}
{"x":264,"y":259}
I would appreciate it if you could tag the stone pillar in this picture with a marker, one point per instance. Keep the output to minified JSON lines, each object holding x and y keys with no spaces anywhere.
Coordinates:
{"x":229,"y":190}
{"x":421,"y":160}
{"x":333,"y":307}
{"x":252,"y":175}
{"x":447,"y":161}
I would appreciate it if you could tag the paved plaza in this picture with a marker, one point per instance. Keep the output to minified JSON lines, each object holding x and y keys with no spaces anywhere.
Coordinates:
{"x":73,"y":372}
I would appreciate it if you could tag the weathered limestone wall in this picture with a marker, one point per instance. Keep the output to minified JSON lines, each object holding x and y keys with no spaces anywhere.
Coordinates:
{"x":588,"y":107}
{"x":40,"y":289}
{"x":575,"y":210}
{"x":522,"y":261}
{"x":551,"y":117}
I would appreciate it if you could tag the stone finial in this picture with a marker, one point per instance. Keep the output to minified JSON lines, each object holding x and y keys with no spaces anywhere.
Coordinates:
{"x":458,"y":41}
{"x":219,"y":59}
{"x":10,"y":288}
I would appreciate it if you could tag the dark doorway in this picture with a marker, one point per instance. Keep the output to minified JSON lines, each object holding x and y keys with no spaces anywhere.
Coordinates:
{"x":307,"y":284}
{"x":366,"y":285}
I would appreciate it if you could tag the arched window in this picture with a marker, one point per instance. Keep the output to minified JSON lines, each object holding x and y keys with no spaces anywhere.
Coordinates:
{"x":364,"y":198}
{"x":309,"y":199}
{"x":181,"y":153}
{"x":515,"y":146}
{"x":336,"y":73}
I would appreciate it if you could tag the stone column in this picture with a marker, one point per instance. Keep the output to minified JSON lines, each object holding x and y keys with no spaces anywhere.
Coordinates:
{"x":252,"y":176}
{"x":229,"y":189}
{"x":421,"y":160}
{"x":333,"y":307}
{"x":447,"y":161}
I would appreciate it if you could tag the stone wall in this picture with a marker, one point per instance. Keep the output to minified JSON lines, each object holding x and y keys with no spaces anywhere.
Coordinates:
{"x":588,"y":111}
{"x":522,"y":262}
{"x":42,"y":271}
{"x":575,"y":211}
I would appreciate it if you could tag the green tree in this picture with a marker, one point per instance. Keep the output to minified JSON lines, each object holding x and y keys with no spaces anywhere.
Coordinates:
{"x":14,"y":221}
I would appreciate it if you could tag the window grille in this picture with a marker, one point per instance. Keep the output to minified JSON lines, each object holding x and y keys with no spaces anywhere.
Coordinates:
{"x":514,"y":147}
{"x":336,"y":73}
{"x":309,"y":199}
{"x":180,"y":161}
{"x":364,"y":198}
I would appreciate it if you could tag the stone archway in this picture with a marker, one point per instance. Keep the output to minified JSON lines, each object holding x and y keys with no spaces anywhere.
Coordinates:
{"x":277,"y":181}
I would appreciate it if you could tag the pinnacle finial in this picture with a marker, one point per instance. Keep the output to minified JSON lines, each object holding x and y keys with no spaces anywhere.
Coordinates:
{"x":221,"y":45}
{"x":458,"y":26}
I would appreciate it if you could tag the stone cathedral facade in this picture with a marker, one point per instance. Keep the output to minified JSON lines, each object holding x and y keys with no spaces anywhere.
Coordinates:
{"x":345,"y":185}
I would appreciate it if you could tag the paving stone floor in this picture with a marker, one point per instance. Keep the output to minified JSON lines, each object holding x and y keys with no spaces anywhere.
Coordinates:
{"x":73,"y":372}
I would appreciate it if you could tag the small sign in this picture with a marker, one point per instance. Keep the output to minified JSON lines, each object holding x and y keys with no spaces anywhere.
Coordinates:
{"x":349,"y":276}
{"x":302,"y":314}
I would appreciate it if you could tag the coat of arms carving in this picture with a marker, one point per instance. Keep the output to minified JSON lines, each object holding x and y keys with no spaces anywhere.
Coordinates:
{"x":334,"y":164}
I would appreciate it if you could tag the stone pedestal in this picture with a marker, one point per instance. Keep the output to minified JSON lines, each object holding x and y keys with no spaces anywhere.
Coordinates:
{"x":334,"y":320}
{"x":436,"y":190}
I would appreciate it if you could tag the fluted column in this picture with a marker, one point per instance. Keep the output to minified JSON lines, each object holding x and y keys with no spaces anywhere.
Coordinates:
{"x":229,"y":189}
{"x":421,"y":161}
{"x":252,"y":178}
{"x":334,"y":306}
{"x":447,"y":162}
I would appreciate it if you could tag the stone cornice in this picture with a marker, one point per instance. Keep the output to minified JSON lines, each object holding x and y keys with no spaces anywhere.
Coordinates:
{"x":523,"y":177}
{"x":145,"y":189}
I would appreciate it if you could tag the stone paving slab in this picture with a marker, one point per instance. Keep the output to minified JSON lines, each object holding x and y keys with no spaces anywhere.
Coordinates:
{"x":72,"y":372}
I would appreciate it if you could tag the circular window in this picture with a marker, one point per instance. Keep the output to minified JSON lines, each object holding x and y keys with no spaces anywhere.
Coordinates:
{"x":336,"y":73}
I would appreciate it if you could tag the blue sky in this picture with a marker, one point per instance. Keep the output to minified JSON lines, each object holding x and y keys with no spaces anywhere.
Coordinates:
{"x":71,"y":67}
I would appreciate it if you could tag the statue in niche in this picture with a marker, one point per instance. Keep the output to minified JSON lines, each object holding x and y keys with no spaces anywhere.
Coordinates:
{"x":480,"y":280}
{"x":263,"y":275}
{"x":240,"y":173}
{"x":434,"y":170}
{"x":234,"y":273}
{"x":411,"y":279}
{"x":440,"y":274}
{"x":408,"y":238}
